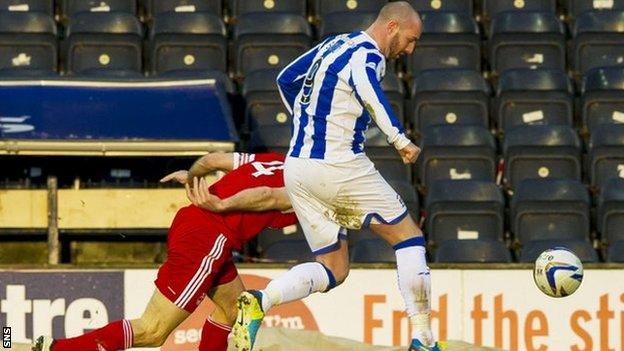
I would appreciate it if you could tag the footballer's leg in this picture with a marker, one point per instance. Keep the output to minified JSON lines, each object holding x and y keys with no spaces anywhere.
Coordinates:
{"x":219,"y":325}
{"x":160,"y":317}
{"x":413,"y":278}
{"x":299,"y":282}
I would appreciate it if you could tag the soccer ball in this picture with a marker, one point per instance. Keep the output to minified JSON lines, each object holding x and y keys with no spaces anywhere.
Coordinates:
{"x":558,"y":272}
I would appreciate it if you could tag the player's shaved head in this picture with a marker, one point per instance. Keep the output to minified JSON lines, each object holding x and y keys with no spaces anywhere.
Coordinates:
{"x":396,"y":29}
{"x":400,"y":11}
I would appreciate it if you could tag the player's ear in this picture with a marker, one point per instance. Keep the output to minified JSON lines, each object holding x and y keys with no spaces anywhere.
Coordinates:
{"x":392,"y":27}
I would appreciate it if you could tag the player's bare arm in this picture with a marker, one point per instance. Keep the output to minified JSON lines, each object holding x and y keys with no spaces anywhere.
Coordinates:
{"x":206,"y":164}
{"x":256,"y":199}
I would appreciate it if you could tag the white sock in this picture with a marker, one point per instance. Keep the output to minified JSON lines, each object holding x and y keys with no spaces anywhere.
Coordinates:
{"x":299,"y":282}
{"x":415,"y":286}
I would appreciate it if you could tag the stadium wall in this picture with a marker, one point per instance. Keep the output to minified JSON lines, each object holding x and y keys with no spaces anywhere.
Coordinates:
{"x":500,"y":308}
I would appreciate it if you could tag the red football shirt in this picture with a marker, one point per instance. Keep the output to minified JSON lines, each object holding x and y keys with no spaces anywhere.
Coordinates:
{"x":251,"y":171}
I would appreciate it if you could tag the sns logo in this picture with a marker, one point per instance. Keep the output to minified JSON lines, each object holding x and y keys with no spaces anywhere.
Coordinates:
{"x":6,"y":337}
{"x":10,"y":125}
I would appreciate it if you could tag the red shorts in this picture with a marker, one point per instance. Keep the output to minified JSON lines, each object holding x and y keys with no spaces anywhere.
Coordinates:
{"x":199,"y":257}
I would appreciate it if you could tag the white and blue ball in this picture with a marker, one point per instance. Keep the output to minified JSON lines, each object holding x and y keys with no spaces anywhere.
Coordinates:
{"x":558,"y":272}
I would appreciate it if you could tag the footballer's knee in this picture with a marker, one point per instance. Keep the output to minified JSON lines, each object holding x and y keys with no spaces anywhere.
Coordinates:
{"x":149,"y":333}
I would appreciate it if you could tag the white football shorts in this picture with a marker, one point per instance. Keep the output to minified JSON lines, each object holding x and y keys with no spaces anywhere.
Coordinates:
{"x":330,"y":198}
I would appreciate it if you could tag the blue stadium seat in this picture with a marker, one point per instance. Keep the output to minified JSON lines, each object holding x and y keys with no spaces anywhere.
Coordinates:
{"x":345,"y":22}
{"x":45,"y":6}
{"x":264,"y":106}
{"x":103,"y":40}
{"x":549,"y":209}
{"x":582,"y":248}
{"x":457,"y":152}
{"x":324,"y":7}
{"x":541,"y":151}
{"x":271,"y":137}
{"x":459,"y":6}
{"x":289,"y":251}
{"x":526,"y":40}
{"x":241,"y":7}
{"x":72,"y":7}
{"x":449,"y":40}
{"x":270,"y":236}
{"x":389,"y":164}
{"x":610,"y":211}
{"x":27,"y":41}
{"x":155,"y":7}
{"x":606,"y":154}
{"x":464,"y":210}
{"x":472,"y":251}
{"x":492,"y":8}
{"x":577,"y":7}
{"x":615,"y":252}
{"x":372,"y":251}
{"x":269,"y":40}
{"x":194,"y":41}
{"x":598,"y":40}
{"x":526,"y":96}
{"x":449,"y":96}
{"x":602,"y":99}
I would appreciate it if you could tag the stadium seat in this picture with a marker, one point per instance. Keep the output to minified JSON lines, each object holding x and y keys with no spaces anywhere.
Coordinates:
{"x":549,"y":209}
{"x":457,"y":152}
{"x":598,"y":40}
{"x":390,"y":166}
{"x":449,"y":96}
{"x":264,"y":105}
{"x":459,"y":6}
{"x":492,"y":8}
{"x":582,"y":248}
{"x":103,"y":40}
{"x":241,"y":7}
{"x":272,"y":137}
{"x":345,"y":22}
{"x":606,"y":154}
{"x":577,"y":7}
{"x":610,"y":211}
{"x":372,"y":251}
{"x":27,"y":41}
{"x":602,"y":99}
{"x":324,"y":7}
{"x":472,"y":251}
{"x":195,"y":41}
{"x":464,"y":210}
{"x":269,"y":40}
{"x":526,"y":96}
{"x":541,"y":151}
{"x":72,"y":7}
{"x":449,"y":40}
{"x":289,"y":251}
{"x":270,"y":236}
{"x":526,"y":40}
{"x":615,"y":252}
{"x":45,"y":6}
{"x":155,"y":7}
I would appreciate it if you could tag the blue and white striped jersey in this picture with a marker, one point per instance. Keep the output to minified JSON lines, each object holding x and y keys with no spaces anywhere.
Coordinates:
{"x":332,"y":91}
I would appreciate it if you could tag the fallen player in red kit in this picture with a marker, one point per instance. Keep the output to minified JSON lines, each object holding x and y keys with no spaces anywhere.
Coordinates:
{"x":199,"y":247}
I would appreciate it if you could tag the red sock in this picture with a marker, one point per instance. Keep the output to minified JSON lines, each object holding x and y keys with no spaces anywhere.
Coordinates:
{"x":214,"y":336}
{"x":115,"y":336}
